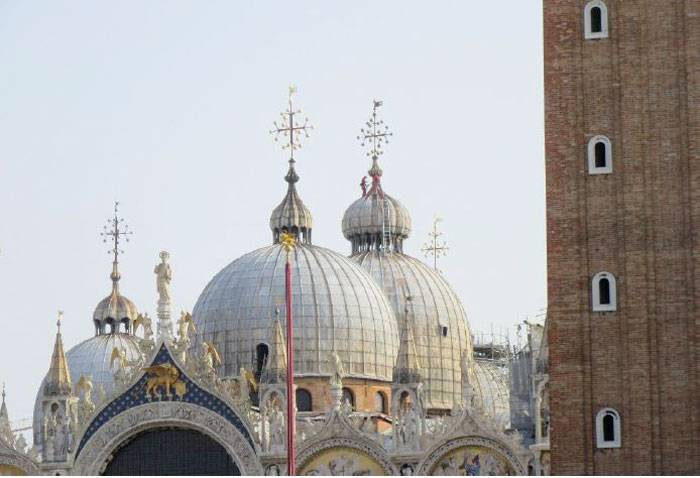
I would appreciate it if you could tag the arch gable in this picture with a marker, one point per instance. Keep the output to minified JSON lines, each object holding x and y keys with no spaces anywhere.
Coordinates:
{"x":12,"y":459}
{"x":477,"y":451}
{"x":125,"y":426}
{"x":184,"y":391}
{"x":338,"y":436}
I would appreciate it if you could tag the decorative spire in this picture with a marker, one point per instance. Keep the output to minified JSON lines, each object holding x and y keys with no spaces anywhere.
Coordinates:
{"x":6,"y":435}
{"x":113,"y":231}
{"x":276,"y":367}
{"x":408,"y":368}
{"x":291,"y":215}
{"x":3,"y":407}
{"x":435,"y":246}
{"x":58,"y":380}
{"x":375,"y":134}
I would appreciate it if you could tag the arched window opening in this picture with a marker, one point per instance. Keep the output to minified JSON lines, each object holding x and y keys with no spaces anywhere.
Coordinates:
{"x":109,"y":326}
{"x":380,"y":403}
{"x":261,"y":353}
{"x":304,"y":403}
{"x":599,"y":155}
{"x":604,"y":292}
{"x":608,"y":429}
{"x":595,"y":20}
{"x":348,"y":397}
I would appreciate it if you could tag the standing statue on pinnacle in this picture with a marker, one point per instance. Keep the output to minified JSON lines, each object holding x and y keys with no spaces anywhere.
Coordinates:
{"x":163,"y":277}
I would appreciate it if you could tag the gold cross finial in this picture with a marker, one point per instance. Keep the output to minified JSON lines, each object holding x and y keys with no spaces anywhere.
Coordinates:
{"x":114,"y":231}
{"x":435,"y":246}
{"x":375,"y":133}
{"x":290,"y":128}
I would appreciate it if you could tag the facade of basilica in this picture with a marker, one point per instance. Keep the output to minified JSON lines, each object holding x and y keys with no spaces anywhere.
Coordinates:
{"x":387,"y":381}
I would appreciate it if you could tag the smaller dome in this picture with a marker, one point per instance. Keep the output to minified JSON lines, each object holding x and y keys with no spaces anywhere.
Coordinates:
{"x":292,"y":215}
{"x":364,"y":216}
{"x":376,"y":221}
{"x":116,"y":307}
{"x":492,"y":390}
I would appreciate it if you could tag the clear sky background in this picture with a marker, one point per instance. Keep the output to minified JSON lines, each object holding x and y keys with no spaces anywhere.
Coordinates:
{"x":166,"y":106}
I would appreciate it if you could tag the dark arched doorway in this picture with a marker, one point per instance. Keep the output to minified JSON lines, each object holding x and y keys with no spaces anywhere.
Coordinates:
{"x":171,"y":451}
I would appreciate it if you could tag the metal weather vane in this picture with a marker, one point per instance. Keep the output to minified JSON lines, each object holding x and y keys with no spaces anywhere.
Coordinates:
{"x":435,"y":246}
{"x":375,"y":133}
{"x":289,"y":127}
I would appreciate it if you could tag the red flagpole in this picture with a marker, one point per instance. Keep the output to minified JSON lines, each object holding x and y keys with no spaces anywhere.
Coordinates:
{"x":291,"y":398}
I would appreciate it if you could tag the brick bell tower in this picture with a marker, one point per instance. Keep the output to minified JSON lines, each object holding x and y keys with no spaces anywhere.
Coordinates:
{"x":622,"y":119}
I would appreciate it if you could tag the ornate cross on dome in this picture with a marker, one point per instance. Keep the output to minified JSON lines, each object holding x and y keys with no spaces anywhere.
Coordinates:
{"x":114,"y":231}
{"x":289,"y":128}
{"x":435,"y":246}
{"x":375,"y":134}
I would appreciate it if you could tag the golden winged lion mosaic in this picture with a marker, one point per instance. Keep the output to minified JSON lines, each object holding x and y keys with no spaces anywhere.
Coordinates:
{"x":163,"y":380}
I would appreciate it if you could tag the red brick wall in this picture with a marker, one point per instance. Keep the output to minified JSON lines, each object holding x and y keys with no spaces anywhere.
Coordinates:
{"x":641,"y":88}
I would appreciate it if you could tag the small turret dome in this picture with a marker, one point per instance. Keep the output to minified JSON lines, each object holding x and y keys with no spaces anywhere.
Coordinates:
{"x":374,"y":214}
{"x":114,"y":309}
{"x":291,"y":215}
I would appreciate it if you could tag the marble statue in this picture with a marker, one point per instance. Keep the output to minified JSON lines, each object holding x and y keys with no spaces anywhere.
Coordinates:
{"x":337,"y":370}
{"x":164,"y":276}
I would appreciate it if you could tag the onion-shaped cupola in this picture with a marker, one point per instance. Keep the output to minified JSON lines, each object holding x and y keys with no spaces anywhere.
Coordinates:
{"x":433,"y":323}
{"x":376,"y":221}
{"x":291,"y":215}
{"x":115,"y":313}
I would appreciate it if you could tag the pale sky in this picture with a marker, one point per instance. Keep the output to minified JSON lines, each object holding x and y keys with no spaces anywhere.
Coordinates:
{"x":166,"y":106}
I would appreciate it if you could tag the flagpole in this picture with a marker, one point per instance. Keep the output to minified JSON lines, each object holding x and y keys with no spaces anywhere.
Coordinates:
{"x":288,"y":242}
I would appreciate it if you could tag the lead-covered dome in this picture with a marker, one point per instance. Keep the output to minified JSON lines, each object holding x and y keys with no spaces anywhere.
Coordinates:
{"x":337,"y":307}
{"x":440,"y":327}
{"x":365,"y":218}
{"x":376,"y":225}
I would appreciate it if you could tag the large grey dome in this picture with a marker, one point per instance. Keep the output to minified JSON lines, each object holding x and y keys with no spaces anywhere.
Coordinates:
{"x":440,"y":325}
{"x":92,"y":358}
{"x":337,"y":307}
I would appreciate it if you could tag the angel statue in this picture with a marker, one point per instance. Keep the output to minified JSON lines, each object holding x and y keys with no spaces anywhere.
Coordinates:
{"x":125,"y":367}
{"x":209,"y":359}
{"x":337,"y":369}
{"x":143,"y":320}
{"x":185,"y":327}
{"x":164,"y":276}
{"x":86,"y":405}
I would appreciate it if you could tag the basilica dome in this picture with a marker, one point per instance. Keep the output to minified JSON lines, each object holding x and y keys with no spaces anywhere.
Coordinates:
{"x":377,"y":225}
{"x":337,"y":306}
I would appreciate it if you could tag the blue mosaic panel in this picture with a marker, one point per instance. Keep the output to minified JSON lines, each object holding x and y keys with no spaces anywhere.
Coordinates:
{"x":136,"y":395}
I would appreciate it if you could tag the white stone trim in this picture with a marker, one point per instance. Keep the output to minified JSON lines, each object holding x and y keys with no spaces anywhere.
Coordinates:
{"x":600,"y":438}
{"x":94,"y":455}
{"x":595,"y":292}
{"x":592,"y":168}
{"x":603,"y":33}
